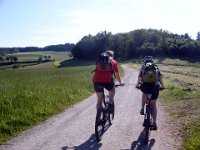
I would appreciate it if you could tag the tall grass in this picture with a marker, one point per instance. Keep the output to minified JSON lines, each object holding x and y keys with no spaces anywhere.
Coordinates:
{"x":29,"y":96}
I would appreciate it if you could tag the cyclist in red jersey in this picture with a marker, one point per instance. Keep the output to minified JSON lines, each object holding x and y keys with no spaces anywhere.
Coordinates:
{"x":105,"y":80}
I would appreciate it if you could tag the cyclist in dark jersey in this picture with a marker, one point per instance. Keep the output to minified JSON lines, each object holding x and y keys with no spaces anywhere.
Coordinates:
{"x":152,"y":88}
{"x":105,"y":80}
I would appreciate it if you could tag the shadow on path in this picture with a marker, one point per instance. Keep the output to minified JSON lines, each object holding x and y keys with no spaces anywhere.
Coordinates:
{"x":139,"y":144}
{"x":90,"y":144}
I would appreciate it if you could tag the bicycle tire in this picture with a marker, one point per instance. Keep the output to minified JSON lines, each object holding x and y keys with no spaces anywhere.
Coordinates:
{"x":147,"y":125}
{"x":99,"y":124}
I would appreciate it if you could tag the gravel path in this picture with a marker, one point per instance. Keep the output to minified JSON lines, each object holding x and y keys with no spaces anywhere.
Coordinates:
{"x":74,"y":128}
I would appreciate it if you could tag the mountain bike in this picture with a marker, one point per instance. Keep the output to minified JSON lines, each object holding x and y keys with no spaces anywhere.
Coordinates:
{"x":148,"y":120}
{"x":104,"y":117}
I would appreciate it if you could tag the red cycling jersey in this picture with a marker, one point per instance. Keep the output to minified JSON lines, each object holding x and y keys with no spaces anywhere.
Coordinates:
{"x":105,"y":77}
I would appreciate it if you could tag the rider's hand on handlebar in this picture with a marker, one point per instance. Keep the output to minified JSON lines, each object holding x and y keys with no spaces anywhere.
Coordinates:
{"x":122,"y":84}
{"x":137,"y":86}
{"x":162,"y":88}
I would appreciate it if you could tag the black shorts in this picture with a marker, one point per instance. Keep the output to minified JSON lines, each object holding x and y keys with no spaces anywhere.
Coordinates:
{"x":99,"y":86}
{"x":148,"y":88}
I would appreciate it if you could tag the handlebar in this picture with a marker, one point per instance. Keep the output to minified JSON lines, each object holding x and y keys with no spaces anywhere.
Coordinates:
{"x":138,"y":87}
{"x":116,"y":85}
{"x":162,"y":89}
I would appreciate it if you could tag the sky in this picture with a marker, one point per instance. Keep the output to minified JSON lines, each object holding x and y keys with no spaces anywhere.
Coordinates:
{"x":49,"y":22}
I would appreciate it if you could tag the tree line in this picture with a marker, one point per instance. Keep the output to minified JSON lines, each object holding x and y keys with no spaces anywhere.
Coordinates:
{"x":58,"y":48}
{"x":138,"y":43}
{"x":133,"y":44}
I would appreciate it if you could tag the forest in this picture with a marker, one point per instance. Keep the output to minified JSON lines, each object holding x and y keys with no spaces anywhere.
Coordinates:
{"x":138,"y":43}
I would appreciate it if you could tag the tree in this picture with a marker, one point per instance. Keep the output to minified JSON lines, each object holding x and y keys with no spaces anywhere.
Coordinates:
{"x":40,"y":59}
{"x":15,"y":59}
{"x":137,"y":43}
{"x":198,"y":36}
{"x":7,"y":58}
{"x":1,"y":58}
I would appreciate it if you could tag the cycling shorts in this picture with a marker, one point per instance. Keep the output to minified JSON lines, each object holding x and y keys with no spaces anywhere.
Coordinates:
{"x":149,"y":88}
{"x":99,"y":86}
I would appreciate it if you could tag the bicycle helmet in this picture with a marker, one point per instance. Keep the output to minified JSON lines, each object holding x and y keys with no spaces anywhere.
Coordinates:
{"x":148,"y":59}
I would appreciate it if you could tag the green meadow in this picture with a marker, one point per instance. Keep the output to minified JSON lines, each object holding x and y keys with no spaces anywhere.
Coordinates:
{"x":31,"y":95}
{"x":182,"y":97}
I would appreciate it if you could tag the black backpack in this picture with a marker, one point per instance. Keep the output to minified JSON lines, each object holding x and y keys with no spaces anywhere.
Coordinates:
{"x":104,"y":64}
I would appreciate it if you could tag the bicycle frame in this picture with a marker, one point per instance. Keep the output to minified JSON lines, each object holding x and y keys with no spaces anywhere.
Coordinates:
{"x":147,"y":118}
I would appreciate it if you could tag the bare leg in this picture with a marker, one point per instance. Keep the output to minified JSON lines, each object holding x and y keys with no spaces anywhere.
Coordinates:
{"x":154,"y":115}
{"x":111,"y":95}
{"x":99,"y":100}
{"x":144,"y":98}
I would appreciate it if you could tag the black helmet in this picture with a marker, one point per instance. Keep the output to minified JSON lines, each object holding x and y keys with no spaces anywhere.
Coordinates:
{"x":148,"y":59}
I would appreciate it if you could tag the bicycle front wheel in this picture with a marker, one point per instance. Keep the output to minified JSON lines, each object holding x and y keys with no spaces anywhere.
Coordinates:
{"x":99,"y":124}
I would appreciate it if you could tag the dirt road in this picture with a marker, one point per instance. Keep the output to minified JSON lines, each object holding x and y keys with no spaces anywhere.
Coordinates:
{"x":74,"y":128}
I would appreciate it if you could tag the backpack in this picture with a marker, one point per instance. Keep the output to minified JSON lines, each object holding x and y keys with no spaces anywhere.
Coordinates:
{"x":150,"y":73}
{"x":104,"y":64}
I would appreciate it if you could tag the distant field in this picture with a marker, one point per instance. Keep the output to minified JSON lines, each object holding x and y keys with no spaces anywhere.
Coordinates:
{"x":30,"y":59}
{"x":28,"y":56}
{"x":36,"y":55}
{"x":182,"y":98}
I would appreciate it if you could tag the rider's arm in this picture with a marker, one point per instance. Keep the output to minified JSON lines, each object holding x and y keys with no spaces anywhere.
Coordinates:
{"x":161,"y":81}
{"x":116,"y":70}
{"x":139,"y":80}
{"x":119,"y":78}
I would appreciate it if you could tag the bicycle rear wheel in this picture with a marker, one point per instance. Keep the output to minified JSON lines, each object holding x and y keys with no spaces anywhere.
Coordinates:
{"x":99,"y":124}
